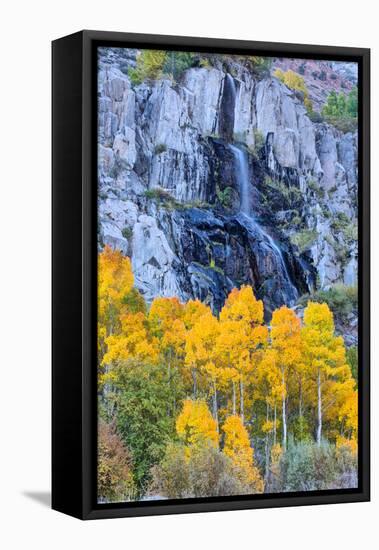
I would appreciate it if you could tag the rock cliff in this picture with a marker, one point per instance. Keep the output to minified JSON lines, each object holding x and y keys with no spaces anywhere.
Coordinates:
{"x":221,"y":179}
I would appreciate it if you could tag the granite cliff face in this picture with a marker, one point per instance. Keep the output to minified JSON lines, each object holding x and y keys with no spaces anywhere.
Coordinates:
{"x":221,"y":179}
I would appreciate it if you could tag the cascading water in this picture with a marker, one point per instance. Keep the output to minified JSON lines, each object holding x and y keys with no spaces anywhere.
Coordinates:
{"x":228,"y":102}
{"x":242,"y":174}
{"x":232,"y":85}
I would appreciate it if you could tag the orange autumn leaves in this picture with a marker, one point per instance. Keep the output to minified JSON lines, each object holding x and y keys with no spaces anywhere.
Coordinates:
{"x":233,"y":364}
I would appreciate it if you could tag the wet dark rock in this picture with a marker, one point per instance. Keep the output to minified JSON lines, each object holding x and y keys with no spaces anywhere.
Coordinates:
{"x":170,"y":194}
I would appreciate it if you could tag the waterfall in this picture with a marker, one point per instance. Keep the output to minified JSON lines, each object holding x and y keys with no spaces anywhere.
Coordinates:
{"x":232,"y":86}
{"x":227,"y":108}
{"x":242,"y":174}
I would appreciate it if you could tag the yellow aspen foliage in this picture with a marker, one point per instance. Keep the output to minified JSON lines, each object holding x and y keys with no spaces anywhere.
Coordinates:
{"x":201,"y":339}
{"x":192,"y":311}
{"x":294,"y":81}
{"x":267,"y":426}
{"x":276,"y":453}
{"x":270,"y":390}
{"x":270,"y":384}
{"x":325,"y":355}
{"x":149,"y":66}
{"x":234,"y":361}
{"x":241,"y":305}
{"x":134,"y":341}
{"x":165,"y":323}
{"x":285,"y":334}
{"x":163,"y":312}
{"x":200,"y":347}
{"x":241,"y":335}
{"x":350,"y":444}
{"x":174,"y":338}
{"x":348,"y":408}
{"x":237,"y":447}
{"x":195,"y":424}
{"x":286,"y":341}
{"x":115,"y":281}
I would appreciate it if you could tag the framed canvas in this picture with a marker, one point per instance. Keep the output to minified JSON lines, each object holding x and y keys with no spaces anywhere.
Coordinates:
{"x":210,"y":275}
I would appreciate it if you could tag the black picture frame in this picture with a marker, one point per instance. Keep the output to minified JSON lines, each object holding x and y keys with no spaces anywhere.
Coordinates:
{"x":74,"y":205}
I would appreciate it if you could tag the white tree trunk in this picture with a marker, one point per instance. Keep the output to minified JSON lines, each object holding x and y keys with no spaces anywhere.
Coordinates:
{"x":319,"y":409}
{"x":267,"y":448}
{"x":234,"y":397}
{"x":215,"y":405}
{"x":194,"y":383}
{"x":284,"y":415}
{"x":275,"y":424}
{"x":242,"y":407}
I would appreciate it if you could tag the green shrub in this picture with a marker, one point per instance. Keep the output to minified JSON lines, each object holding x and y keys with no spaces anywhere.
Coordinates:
{"x":261,"y":66}
{"x":203,"y":472}
{"x":142,"y":395}
{"x":341,"y":105}
{"x":176,"y":63}
{"x":160,"y":148}
{"x":205,"y":63}
{"x":119,"y":166}
{"x":341,"y":110}
{"x":290,"y":193}
{"x":127,"y":232}
{"x":225,"y":197}
{"x":159,"y":194}
{"x":345,"y":125}
{"x":259,"y":139}
{"x":193,"y":204}
{"x":352,"y":359}
{"x":315,"y":187}
{"x":308,"y":467}
{"x":325,"y":211}
{"x":341,"y":299}
{"x":350,"y":232}
{"x":149,"y":66}
{"x":341,"y":222}
{"x":296,"y":220}
{"x":154,"y":64}
{"x":347,"y":467}
{"x":315,"y":116}
{"x":304,"y":239}
{"x":300,"y":429}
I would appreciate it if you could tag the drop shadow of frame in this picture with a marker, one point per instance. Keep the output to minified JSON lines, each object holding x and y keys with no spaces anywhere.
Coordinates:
{"x":41,"y":497}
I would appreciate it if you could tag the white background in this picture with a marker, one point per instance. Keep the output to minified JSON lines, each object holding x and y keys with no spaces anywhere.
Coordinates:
{"x":27,"y":29}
